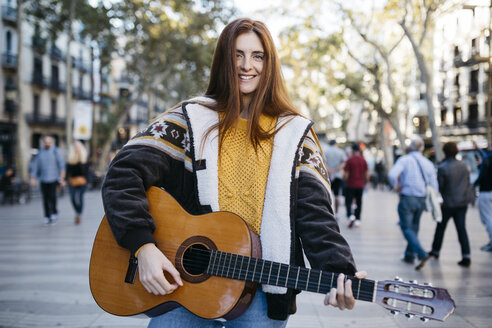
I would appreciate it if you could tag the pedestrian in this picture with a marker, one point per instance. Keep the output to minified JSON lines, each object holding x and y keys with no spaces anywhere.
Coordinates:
{"x":484,"y":182}
{"x":244,"y":148}
{"x":335,"y":160}
{"x":380,"y":169}
{"x":77,"y":176}
{"x":49,"y":168}
{"x":454,"y":185}
{"x":409,"y":176}
{"x":356,"y":175}
{"x":8,"y":186}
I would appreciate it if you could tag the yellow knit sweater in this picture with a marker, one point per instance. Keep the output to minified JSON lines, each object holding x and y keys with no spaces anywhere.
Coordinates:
{"x":243,"y":173}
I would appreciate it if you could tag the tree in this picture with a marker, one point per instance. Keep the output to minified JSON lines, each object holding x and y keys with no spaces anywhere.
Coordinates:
{"x":167,"y":47}
{"x":306,"y":58}
{"x":416,"y":21}
{"x":344,"y":65}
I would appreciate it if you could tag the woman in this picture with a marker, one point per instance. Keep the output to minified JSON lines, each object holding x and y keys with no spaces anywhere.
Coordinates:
{"x":241,"y":148}
{"x":77,"y":173}
{"x":454,"y":185}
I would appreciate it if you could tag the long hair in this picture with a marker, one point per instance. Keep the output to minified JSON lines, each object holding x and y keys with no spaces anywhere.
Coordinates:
{"x":77,"y":153}
{"x":270,"y":97}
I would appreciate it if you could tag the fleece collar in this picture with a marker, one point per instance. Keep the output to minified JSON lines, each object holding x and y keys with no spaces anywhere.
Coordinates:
{"x":275,"y":233}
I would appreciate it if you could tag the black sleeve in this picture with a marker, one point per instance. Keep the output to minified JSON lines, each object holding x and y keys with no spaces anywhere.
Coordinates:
{"x":318,"y":229}
{"x":441,"y":180}
{"x":134,"y":170}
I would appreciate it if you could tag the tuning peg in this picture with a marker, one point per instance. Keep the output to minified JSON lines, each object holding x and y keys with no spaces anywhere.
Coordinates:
{"x":427,"y":284}
{"x":398,"y":278}
{"x":394,"y":313}
{"x":424,"y":320}
{"x":414,"y":282}
{"x":409,"y":316}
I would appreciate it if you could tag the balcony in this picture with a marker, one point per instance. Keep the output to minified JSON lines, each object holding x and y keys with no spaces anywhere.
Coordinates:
{"x":39,"y":44}
{"x":56,"y":54}
{"x":473,"y":60}
{"x":47,"y":120}
{"x":39,"y":80}
{"x":469,"y":127}
{"x":80,"y":64}
{"x":10,"y":107}
{"x":57,"y":86}
{"x":81,"y":94}
{"x":9,"y":14}
{"x":9,"y":61}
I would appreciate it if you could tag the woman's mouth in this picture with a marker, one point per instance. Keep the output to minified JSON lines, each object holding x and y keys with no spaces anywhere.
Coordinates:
{"x":246,"y":77}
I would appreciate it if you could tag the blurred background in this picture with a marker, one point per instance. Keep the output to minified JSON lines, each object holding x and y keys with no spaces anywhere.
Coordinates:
{"x":373,"y":72}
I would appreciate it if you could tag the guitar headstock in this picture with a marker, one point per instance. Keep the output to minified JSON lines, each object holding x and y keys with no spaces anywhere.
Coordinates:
{"x":423,"y":301}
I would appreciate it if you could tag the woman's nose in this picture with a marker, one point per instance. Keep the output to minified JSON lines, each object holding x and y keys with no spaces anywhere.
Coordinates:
{"x":245,"y":64}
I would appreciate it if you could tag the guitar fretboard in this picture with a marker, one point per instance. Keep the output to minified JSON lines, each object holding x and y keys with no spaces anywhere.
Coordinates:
{"x":246,"y":268}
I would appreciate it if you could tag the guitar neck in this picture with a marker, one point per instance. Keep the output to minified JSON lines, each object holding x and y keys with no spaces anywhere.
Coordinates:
{"x":246,"y":268}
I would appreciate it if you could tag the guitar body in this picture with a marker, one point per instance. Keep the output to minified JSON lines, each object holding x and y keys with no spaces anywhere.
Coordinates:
{"x":176,"y":232}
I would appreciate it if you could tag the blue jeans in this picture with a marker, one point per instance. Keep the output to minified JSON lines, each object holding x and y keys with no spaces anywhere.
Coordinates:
{"x":410,"y":210}
{"x":77,"y":198}
{"x":254,"y":316}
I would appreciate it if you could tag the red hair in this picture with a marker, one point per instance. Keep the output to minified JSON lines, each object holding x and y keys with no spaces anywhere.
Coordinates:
{"x":270,"y":97}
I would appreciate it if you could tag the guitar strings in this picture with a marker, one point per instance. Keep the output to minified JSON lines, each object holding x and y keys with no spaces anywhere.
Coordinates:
{"x":364,"y":292}
{"x":216,"y":267}
{"x":173,"y":247}
{"x":240,"y":271}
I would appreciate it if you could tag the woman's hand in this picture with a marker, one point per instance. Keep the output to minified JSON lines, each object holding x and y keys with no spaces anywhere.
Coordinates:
{"x":152,"y":264}
{"x":342,"y":297}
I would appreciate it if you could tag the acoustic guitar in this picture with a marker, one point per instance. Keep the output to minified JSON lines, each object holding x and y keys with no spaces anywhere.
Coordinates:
{"x":220,"y":263}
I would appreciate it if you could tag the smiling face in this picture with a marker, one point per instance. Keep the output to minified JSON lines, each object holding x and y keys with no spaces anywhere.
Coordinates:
{"x":249,"y":60}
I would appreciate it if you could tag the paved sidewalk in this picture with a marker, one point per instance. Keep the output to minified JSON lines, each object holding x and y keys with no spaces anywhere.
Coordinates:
{"x":44,"y":270}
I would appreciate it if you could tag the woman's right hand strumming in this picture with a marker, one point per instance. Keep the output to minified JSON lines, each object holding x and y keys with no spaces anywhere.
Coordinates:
{"x":152,"y":264}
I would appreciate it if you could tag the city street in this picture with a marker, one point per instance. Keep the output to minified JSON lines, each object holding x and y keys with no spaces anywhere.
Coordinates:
{"x":44,"y":269}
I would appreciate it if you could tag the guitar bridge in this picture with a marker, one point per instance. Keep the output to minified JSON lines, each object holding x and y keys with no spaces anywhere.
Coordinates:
{"x":131,"y":272}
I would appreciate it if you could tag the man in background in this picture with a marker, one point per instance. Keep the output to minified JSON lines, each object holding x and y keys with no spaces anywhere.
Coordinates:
{"x":49,"y":168}
{"x":335,"y":160}
{"x":409,"y":176}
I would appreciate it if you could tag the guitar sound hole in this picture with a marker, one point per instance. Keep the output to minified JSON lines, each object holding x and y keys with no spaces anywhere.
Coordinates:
{"x":196,"y":259}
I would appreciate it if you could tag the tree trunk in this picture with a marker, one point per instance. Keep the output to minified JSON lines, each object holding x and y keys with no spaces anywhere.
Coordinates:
{"x":151,"y":104}
{"x":21,"y":141}
{"x":388,"y":159}
{"x":68,"y":93}
{"x":429,"y":94}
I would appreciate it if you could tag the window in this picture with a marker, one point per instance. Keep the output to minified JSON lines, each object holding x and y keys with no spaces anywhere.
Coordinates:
{"x":36,"y":106}
{"x":474,"y":81}
{"x":474,"y":46}
{"x":457,"y":116}
{"x":473,"y":113}
{"x":8,"y":41}
{"x":53,"y":109}
{"x":38,"y":66}
{"x":444,"y":113}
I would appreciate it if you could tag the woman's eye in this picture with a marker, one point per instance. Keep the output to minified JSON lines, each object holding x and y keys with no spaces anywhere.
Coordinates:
{"x":258,"y":57}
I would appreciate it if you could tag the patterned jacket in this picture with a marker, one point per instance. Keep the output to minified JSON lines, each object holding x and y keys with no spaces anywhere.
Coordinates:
{"x":174,"y":154}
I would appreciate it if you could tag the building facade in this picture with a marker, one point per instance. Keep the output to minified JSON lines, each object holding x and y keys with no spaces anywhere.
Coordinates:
{"x":461,"y":70}
{"x":44,"y":81}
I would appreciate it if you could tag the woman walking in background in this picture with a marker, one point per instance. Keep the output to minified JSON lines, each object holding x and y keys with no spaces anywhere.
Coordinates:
{"x":77,"y":173}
